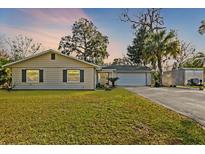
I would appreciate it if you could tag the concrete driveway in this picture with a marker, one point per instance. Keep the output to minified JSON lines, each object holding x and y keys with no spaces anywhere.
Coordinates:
{"x":185,"y":101}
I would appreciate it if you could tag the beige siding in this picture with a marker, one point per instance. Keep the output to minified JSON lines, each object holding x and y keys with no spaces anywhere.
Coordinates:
{"x":45,"y":61}
{"x":149,"y":78}
{"x":53,"y":73}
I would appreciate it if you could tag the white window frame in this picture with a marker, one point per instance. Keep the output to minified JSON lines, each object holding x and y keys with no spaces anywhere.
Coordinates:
{"x":68,"y":76}
{"x":27,"y":76}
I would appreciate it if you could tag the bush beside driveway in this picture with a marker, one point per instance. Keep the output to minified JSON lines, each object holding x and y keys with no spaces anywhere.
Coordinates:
{"x":91,"y":117}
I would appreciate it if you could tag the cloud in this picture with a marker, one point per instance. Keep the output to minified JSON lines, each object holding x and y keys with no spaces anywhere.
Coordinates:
{"x":54,"y":16}
{"x":48,"y":37}
{"x":51,"y":37}
{"x":47,"y":26}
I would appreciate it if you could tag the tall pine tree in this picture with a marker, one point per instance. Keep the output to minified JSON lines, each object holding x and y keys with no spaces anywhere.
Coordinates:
{"x":136,"y":51}
{"x":86,"y":42}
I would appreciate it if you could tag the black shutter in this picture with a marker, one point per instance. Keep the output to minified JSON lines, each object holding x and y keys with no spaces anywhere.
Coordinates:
{"x":81,"y":75}
{"x":23,"y":75}
{"x":64,"y":75}
{"x":40,"y":75}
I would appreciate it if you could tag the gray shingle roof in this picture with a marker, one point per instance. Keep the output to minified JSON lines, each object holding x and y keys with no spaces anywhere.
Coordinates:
{"x":128,"y":68}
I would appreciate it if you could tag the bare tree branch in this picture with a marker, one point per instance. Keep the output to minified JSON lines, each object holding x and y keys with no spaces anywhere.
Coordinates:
{"x":150,"y":19}
{"x":21,"y":46}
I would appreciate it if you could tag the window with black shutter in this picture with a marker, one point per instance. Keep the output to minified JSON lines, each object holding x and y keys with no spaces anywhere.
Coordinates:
{"x":32,"y":75}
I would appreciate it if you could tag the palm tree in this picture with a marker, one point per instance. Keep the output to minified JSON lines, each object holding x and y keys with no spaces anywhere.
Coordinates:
{"x":161,"y":45}
{"x":202,"y":27}
{"x":195,"y":62}
{"x":198,"y":60}
{"x":201,"y":56}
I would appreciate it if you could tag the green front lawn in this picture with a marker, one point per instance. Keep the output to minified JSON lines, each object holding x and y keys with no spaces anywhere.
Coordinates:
{"x":91,"y":117}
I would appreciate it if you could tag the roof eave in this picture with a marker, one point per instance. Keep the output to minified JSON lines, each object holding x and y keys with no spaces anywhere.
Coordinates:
{"x":46,"y":51}
{"x":137,"y":71}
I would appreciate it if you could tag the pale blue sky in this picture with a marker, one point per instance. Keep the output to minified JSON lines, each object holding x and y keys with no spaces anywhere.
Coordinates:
{"x":48,"y":25}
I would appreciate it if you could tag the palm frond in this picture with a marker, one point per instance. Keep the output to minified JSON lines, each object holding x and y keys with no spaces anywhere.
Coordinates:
{"x":202,"y":27}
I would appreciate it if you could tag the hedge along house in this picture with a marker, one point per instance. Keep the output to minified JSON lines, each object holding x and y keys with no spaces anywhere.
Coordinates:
{"x":52,"y":70}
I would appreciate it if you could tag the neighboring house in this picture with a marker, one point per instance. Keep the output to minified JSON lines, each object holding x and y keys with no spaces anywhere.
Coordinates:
{"x":129,"y":75}
{"x":53,"y":70}
{"x":181,"y":76}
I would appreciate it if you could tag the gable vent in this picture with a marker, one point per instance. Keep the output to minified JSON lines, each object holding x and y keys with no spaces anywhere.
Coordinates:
{"x":53,"y":56}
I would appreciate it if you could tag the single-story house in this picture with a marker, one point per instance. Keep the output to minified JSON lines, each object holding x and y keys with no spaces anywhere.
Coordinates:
{"x":53,"y":70}
{"x":129,"y":75}
{"x":182,"y":76}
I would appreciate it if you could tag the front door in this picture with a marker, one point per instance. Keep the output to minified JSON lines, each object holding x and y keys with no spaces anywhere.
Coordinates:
{"x":103,"y":78}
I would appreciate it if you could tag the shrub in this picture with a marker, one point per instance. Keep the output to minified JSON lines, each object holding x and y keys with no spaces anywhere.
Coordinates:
{"x":5,"y":78}
{"x":107,"y":87}
{"x":201,"y":88}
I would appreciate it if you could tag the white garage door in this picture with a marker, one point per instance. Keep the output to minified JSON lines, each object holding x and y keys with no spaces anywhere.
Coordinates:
{"x":131,"y":79}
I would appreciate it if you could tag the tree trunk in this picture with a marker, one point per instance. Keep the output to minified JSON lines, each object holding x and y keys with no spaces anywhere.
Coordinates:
{"x":160,"y":71}
{"x":113,"y":84}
